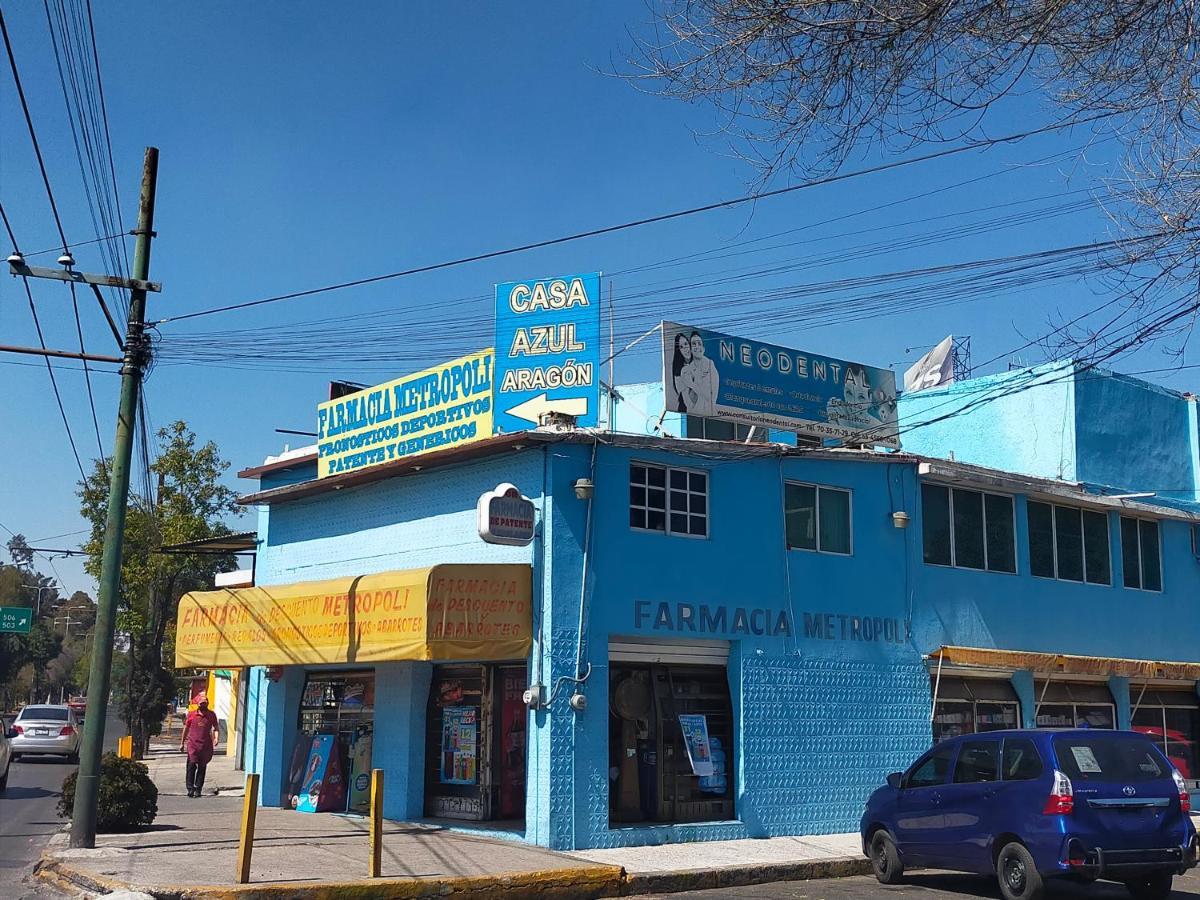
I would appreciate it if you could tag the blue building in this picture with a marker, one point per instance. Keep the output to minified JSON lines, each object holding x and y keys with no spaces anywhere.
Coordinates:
{"x":816,"y":616}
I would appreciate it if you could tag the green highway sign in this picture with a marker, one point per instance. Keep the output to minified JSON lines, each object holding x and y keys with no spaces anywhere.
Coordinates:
{"x":16,"y":618}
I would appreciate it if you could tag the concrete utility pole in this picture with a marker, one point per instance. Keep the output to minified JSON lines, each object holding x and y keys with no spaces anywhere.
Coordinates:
{"x":137,"y":354}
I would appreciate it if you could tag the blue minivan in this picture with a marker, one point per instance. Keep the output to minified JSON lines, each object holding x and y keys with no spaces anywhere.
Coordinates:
{"x":1029,"y":806}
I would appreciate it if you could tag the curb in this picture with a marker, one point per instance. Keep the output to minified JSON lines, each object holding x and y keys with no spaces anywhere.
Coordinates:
{"x":673,"y":882}
{"x":583,"y":883}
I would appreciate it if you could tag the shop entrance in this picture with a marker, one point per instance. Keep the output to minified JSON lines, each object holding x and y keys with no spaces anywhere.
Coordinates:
{"x":475,"y":743}
{"x":331,"y":764}
{"x":670,"y":743}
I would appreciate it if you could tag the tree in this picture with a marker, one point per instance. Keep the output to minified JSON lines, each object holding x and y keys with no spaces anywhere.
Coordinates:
{"x":23,"y":657}
{"x":191,"y":504}
{"x":802,"y":84}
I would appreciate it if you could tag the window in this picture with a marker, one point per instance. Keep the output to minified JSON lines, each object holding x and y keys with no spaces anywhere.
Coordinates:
{"x":968,"y":529}
{"x":932,"y":770}
{"x":972,"y":706}
{"x":653,"y":775}
{"x":1172,"y":719}
{"x":1068,"y":543}
{"x":1140,"y":554}
{"x":1021,"y":760}
{"x":1074,"y":704}
{"x":818,"y":518}
{"x":1119,"y":757}
{"x":671,"y":500}
{"x":719,"y":430}
{"x":977,"y":761}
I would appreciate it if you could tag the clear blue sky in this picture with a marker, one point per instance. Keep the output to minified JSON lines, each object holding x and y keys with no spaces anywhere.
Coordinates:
{"x":308,"y":143}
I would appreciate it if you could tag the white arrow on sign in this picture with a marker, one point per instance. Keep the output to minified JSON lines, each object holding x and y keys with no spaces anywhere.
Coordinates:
{"x":534,"y":408}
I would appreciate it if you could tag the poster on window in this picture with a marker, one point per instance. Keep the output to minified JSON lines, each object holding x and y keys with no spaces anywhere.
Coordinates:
{"x":695,"y":738}
{"x":460,"y":741}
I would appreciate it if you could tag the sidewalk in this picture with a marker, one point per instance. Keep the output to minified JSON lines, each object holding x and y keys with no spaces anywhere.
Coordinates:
{"x":190,"y":853}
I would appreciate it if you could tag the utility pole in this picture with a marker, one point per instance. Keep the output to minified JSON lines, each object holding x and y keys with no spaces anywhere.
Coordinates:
{"x":137,"y":354}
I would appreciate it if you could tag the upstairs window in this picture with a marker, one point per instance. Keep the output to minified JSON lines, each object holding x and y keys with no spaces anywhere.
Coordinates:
{"x":1140,"y":554}
{"x":674,"y":501}
{"x":1068,"y":543}
{"x":708,"y":429}
{"x":818,"y":518}
{"x":968,"y":529}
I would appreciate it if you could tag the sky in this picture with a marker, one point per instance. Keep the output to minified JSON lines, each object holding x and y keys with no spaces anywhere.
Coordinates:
{"x":305,"y":144}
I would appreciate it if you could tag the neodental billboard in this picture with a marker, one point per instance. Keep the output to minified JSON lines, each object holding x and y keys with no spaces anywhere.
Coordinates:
{"x":706,"y":373}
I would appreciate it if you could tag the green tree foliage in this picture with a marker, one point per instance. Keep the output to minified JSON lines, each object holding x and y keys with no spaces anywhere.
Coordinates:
{"x":25,"y":659}
{"x":191,"y":504}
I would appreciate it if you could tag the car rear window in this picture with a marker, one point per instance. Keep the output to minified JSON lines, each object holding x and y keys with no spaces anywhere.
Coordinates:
{"x":1109,"y":757}
{"x":43,"y":714}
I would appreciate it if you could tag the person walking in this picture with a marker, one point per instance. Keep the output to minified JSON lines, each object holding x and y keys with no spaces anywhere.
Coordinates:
{"x":201,"y":732}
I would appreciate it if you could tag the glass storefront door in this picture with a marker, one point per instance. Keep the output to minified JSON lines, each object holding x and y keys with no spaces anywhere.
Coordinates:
{"x":475,"y":743}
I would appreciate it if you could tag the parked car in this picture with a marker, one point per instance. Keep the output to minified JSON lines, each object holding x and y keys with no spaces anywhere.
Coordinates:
{"x":46,"y":729}
{"x":1030,"y":806}
{"x":5,"y":751}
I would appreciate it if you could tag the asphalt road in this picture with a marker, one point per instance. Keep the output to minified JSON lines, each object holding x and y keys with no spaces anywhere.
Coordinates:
{"x":28,"y":815}
{"x":918,"y":886}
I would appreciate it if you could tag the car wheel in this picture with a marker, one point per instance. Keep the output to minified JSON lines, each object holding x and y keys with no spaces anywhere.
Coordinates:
{"x":73,"y":758}
{"x":885,"y":859}
{"x":1151,"y":887}
{"x":1018,"y":874}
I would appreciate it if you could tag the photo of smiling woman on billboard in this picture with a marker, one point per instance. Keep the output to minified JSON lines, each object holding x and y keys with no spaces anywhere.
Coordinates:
{"x":694,"y":380}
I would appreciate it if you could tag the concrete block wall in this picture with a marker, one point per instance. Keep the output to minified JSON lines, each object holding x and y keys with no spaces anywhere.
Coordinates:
{"x":399,"y":523}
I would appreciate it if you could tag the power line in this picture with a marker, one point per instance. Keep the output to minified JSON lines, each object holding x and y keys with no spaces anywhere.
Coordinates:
{"x":12,"y":62}
{"x":41,"y":340}
{"x":649,"y":220}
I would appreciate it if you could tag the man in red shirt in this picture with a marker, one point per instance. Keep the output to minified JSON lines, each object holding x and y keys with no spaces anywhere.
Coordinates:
{"x":200,"y":735}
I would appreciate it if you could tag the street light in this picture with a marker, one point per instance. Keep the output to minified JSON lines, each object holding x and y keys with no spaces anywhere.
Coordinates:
{"x":40,"y":589}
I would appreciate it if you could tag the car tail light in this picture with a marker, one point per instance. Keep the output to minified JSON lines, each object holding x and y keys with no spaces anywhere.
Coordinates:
{"x":65,"y":730}
{"x":1061,"y":801}
{"x":18,"y":729}
{"x":1185,"y":800}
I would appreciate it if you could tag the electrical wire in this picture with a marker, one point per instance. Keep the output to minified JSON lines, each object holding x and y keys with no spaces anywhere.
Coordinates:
{"x":37,"y":148}
{"x":648,"y":220}
{"x":42,"y":341}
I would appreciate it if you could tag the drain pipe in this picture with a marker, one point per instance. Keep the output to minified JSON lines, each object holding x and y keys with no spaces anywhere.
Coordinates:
{"x":578,"y":701}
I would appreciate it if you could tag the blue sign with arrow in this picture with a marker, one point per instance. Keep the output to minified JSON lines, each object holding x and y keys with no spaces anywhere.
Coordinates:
{"x":547,"y":351}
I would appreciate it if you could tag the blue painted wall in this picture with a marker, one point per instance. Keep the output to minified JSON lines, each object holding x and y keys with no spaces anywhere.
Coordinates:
{"x":1133,"y":434}
{"x":1029,"y":426}
{"x":1053,"y":421}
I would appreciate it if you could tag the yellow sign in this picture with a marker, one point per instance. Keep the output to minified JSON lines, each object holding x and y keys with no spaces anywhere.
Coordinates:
{"x":458,"y":611}
{"x":441,"y":407}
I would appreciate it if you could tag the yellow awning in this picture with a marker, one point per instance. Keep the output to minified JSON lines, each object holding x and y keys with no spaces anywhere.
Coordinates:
{"x":1066,"y":664}
{"x":457,"y":611}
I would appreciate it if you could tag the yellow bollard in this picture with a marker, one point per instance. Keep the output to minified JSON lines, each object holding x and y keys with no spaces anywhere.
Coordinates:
{"x":125,"y":747}
{"x":376,"y":822}
{"x":246,"y":842}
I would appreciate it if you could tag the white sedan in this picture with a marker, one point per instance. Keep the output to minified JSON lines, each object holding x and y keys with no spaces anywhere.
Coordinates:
{"x":46,"y":730}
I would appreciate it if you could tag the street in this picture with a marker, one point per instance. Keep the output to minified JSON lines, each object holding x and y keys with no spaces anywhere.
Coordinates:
{"x":28,"y":815}
{"x":918,"y":886}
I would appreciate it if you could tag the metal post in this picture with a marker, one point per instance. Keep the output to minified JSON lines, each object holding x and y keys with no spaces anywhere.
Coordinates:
{"x":87,"y":788}
{"x":246,"y":842}
{"x":376,"y":822}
